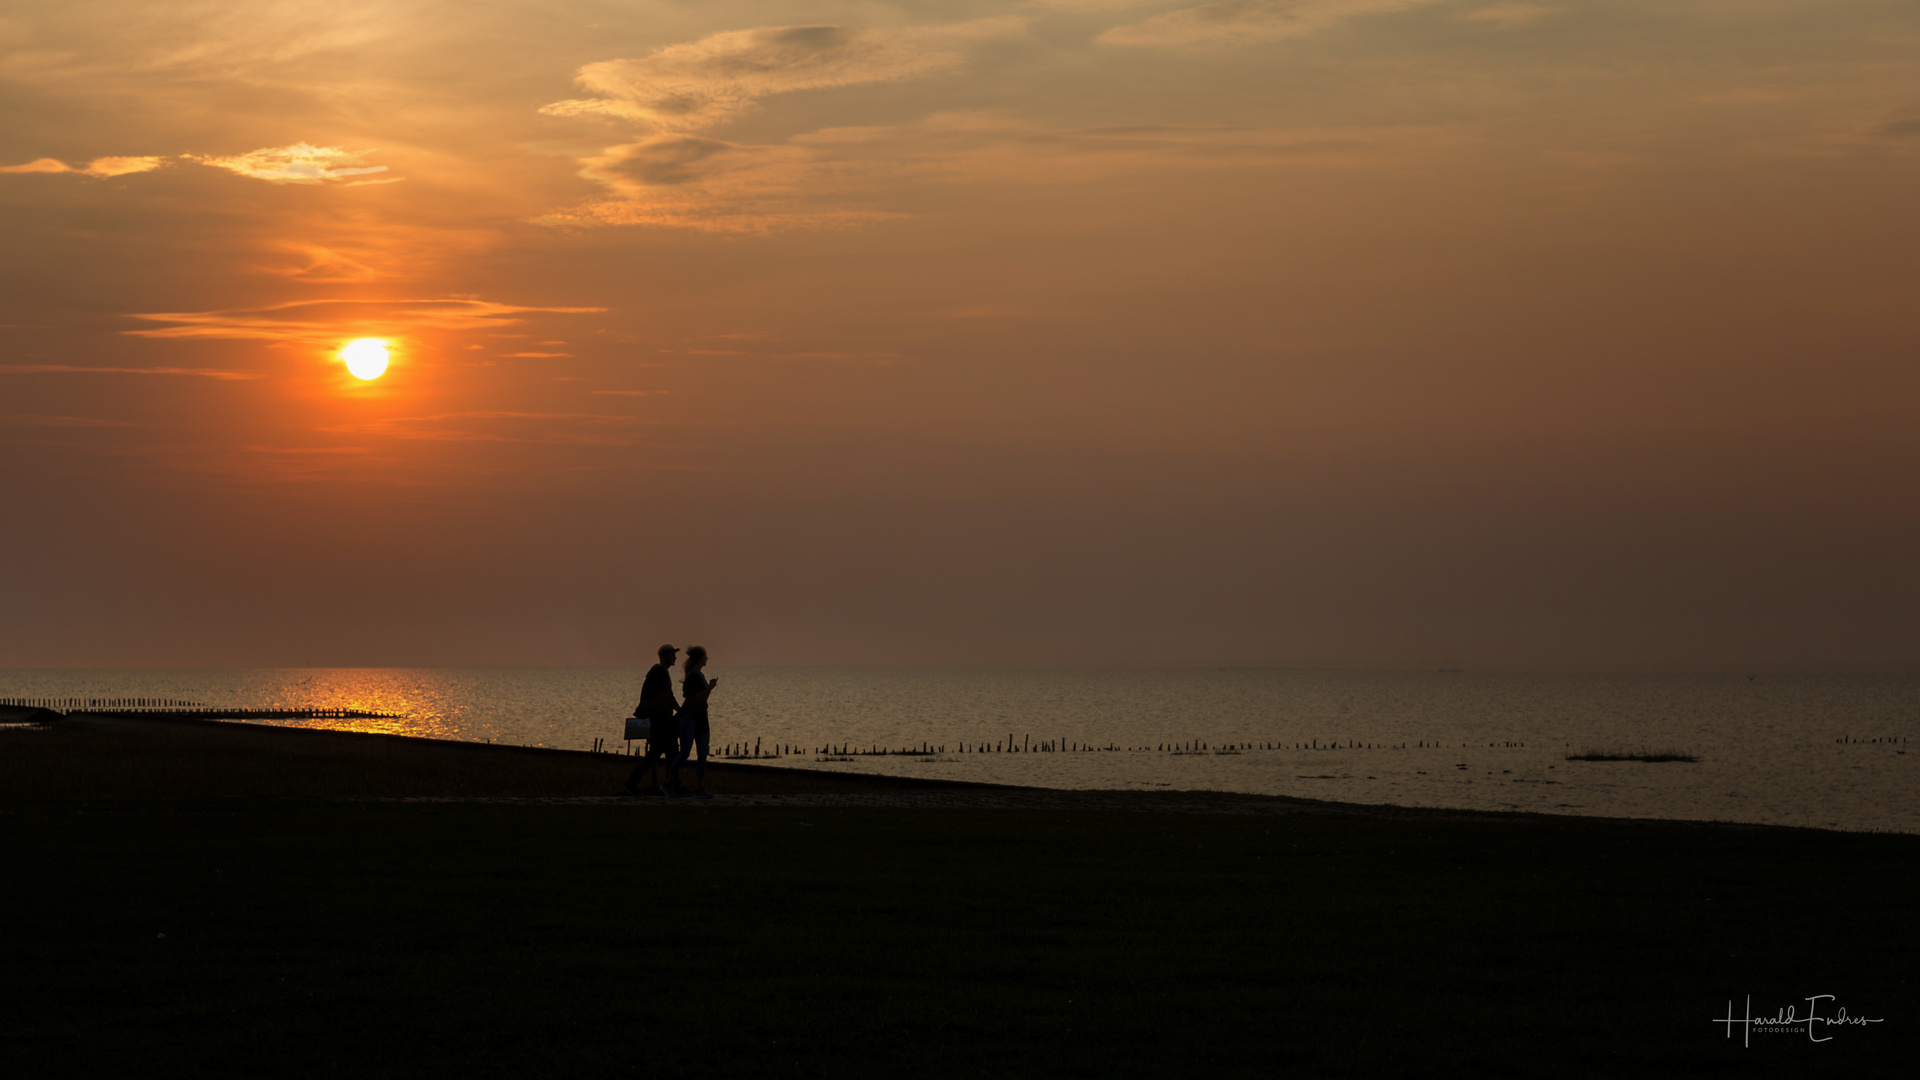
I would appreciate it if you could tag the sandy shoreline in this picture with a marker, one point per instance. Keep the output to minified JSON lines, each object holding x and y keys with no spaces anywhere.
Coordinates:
{"x":234,"y":890}
{"x":94,"y":756}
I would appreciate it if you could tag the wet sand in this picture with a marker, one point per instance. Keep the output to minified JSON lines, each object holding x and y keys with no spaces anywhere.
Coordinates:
{"x":100,"y":757}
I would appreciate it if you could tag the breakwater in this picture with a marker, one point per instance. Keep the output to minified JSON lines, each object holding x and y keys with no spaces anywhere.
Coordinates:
{"x":165,"y":708}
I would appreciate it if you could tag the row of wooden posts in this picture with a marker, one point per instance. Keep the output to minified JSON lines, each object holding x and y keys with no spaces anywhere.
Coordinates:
{"x":744,"y":751}
{"x":190,"y":710}
{"x":328,"y":713}
{"x":100,"y":703}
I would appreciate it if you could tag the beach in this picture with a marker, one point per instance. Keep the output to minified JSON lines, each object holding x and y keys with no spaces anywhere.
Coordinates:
{"x":496,"y":911}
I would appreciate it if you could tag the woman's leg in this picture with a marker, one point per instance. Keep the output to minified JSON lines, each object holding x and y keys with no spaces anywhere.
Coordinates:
{"x":703,"y":735}
{"x":686,"y":745}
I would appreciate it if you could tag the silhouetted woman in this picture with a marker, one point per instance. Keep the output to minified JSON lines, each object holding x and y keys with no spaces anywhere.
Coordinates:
{"x":693,"y":723}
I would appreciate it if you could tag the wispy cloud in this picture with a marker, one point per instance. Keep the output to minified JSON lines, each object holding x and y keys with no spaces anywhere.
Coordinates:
{"x":502,"y":426}
{"x":1242,"y":21}
{"x":353,"y":244}
{"x":840,"y":177}
{"x":1904,"y":125}
{"x":987,"y":311}
{"x":318,"y":263}
{"x":1506,"y":16}
{"x":316,"y":321}
{"x":698,"y":84}
{"x":301,"y":163}
{"x":1086,"y":5}
{"x":98,"y":168}
{"x":693,"y":182}
{"x":262,"y":43}
{"x":674,"y":178}
{"x":44,"y":420}
{"x":973,"y":146}
{"x":74,"y":369}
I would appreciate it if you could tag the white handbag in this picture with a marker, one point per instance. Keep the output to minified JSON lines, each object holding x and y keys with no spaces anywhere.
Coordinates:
{"x":639,"y":727}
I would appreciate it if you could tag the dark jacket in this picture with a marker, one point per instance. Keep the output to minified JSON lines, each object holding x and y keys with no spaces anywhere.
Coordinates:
{"x":656,"y":694}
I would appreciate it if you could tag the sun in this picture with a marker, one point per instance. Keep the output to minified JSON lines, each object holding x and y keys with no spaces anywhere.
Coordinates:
{"x":366,"y":358}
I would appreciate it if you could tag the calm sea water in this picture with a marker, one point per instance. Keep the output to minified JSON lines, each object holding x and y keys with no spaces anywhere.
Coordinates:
{"x":1774,"y":749}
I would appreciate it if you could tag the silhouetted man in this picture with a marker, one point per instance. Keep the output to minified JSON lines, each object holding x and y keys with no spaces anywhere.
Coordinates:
{"x":663,"y":738}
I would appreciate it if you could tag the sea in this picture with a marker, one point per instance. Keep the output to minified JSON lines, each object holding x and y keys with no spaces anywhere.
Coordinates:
{"x":1828,"y":751}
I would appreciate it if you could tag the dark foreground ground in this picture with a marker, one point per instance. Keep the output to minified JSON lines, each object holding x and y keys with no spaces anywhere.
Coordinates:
{"x":121,"y":758}
{"x":307,"y":936}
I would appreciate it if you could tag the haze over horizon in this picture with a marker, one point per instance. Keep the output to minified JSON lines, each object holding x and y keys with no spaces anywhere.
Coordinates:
{"x":1324,"y":333}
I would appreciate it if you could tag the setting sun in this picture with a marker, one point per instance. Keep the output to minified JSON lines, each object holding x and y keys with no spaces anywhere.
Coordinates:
{"x":366,"y":358}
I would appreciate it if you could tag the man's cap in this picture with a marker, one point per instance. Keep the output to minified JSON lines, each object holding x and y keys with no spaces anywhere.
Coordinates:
{"x":665,"y":649}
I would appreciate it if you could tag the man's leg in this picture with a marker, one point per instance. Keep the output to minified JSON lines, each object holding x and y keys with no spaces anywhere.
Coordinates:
{"x":649,"y":763}
{"x":643,"y":765}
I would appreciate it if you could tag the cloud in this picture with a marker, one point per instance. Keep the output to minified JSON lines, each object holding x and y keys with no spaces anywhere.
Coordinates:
{"x":48,"y":369}
{"x":673,"y":160}
{"x":833,"y":178}
{"x":106,"y":47}
{"x":99,"y":168}
{"x":574,"y":429}
{"x":693,"y":182}
{"x":48,"y":420}
{"x":348,"y":243}
{"x":976,"y":146}
{"x":317,"y":263}
{"x":987,"y":311}
{"x":702,"y":83}
{"x":325,"y":321}
{"x":122,"y":166}
{"x":40,"y":165}
{"x":1086,"y":5}
{"x":301,"y":163}
{"x":1241,"y":21}
{"x":674,"y":178}
{"x":1903,"y":126}
{"x":1505,"y":16}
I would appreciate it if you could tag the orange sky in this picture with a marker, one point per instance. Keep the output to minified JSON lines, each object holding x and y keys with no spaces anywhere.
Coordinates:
{"x":1067,"y":331}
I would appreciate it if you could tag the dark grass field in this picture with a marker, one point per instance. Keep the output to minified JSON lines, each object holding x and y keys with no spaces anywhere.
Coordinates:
{"x":298,"y":936}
